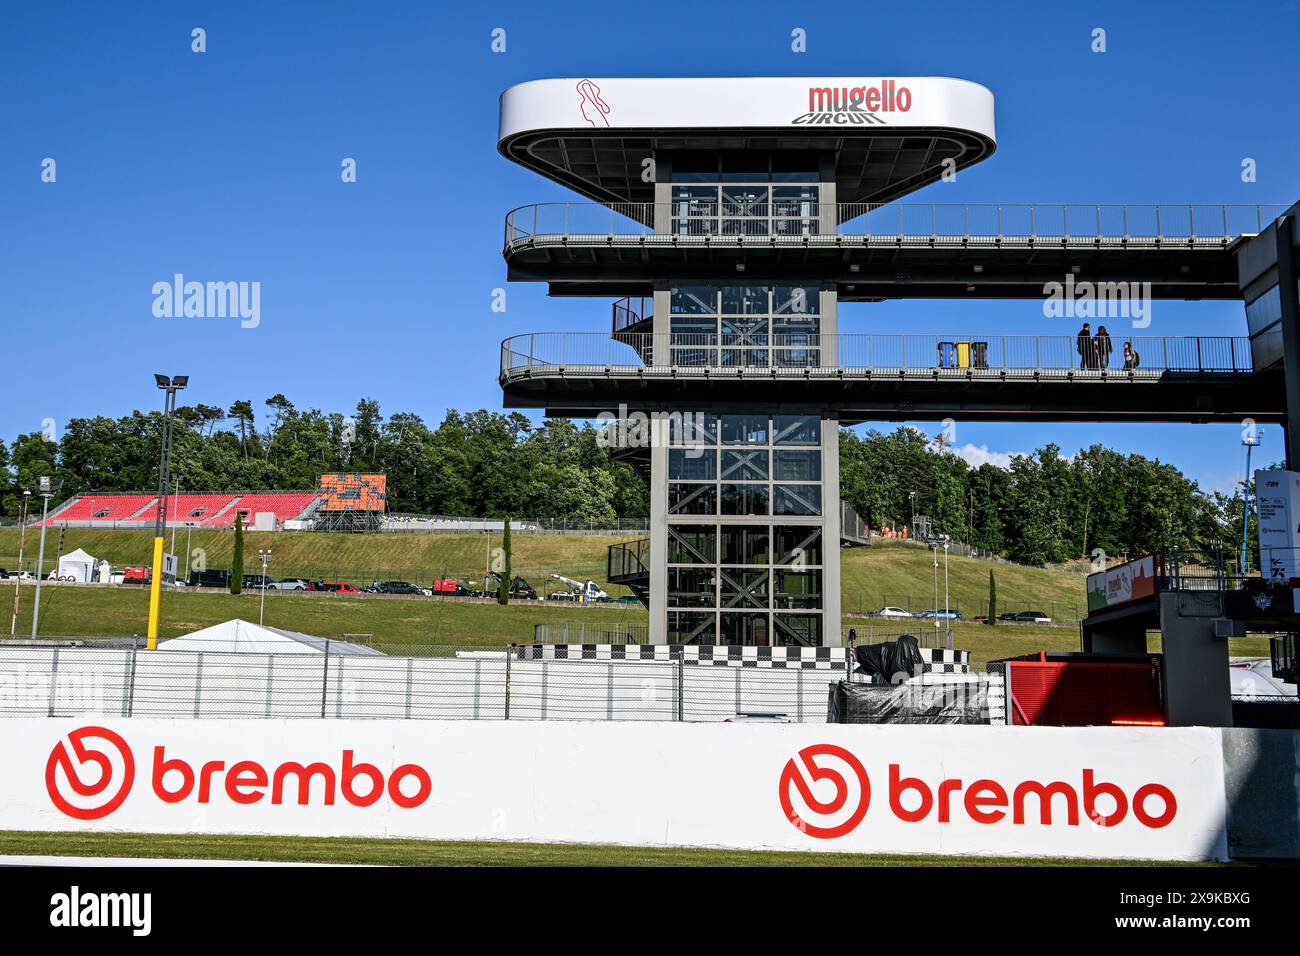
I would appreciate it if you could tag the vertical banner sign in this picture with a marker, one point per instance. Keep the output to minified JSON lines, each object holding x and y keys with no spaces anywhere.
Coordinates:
{"x":1278,"y":496}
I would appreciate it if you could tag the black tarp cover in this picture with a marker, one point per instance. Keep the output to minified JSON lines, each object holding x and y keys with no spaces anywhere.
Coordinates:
{"x":964,"y":702}
{"x":890,"y":659}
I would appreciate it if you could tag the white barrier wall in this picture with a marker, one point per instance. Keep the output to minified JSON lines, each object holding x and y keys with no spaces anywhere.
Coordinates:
{"x":1063,"y":792}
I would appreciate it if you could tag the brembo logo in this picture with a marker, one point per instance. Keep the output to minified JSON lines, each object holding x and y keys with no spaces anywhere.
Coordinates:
{"x":854,"y":105}
{"x":242,"y":782}
{"x":89,"y":796}
{"x":834,"y":792}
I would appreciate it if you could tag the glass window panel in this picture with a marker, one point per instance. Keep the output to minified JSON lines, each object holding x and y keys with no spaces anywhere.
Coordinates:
{"x":692,"y":428}
{"x":694,"y":329}
{"x":692,"y":464}
{"x":744,"y":465}
{"x":744,"y":300}
{"x":796,"y":300}
{"x":694,"y":300}
{"x":692,"y":499}
{"x":797,"y":589}
{"x":691,"y":627}
{"x":744,"y":429}
{"x":743,"y":358}
{"x":746,"y":499}
{"x":805,"y":629}
{"x":793,"y":466}
{"x":738,"y":199}
{"x":692,"y":544}
{"x":691,"y":587}
{"x":794,"y":500}
{"x":697,"y":193}
{"x":744,"y":545}
{"x":742,"y":588}
{"x":743,"y":331}
{"x":796,"y":329}
{"x":798,"y":545}
{"x":796,"y":430}
{"x":796,"y":358}
{"x":749,"y":629}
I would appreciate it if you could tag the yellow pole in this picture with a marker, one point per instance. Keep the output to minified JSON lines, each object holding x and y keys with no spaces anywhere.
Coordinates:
{"x":155,"y":593}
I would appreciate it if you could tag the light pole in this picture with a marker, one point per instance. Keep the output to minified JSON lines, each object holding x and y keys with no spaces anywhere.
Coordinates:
{"x":22,"y":537}
{"x":171,"y":386}
{"x":265,"y":557}
{"x":175,"y":504}
{"x":1250,"y":441}
{"x":946,"y":611}
{"x":47,"y":488}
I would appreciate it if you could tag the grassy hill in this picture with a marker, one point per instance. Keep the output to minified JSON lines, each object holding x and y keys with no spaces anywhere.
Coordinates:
{"x":872,"y":577}
{"x":356,"y":558}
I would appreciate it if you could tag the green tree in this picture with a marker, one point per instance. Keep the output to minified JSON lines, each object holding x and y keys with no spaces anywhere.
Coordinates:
{"x":237,"y":558}
{"x":507,"y":576}
{"x":993,"y":598}
{"x":243,"y":411}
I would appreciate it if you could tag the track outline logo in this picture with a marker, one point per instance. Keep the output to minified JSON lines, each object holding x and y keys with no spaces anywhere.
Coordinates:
{"x":791,"y":775}
{"x":84,"y":754}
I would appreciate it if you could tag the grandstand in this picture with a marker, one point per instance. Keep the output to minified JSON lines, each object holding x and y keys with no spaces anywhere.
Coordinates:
{"x":203,"y":509}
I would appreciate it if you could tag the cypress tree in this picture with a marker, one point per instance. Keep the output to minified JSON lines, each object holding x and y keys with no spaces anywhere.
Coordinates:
{"x":993,"y":598}
{"x":237,"y":560}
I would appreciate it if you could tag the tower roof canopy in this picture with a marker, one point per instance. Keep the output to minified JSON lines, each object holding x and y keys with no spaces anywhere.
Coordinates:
{"x":888,"y":135}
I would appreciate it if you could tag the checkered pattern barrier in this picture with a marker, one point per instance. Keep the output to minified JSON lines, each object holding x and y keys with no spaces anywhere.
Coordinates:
{"x":935,"y":660}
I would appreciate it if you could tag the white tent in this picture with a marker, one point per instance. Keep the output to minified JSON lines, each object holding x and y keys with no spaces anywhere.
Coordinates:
{"x":77,"y":566}
{"x":243,"y":637}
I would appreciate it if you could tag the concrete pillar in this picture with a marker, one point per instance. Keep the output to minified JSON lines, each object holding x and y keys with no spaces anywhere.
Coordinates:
{"x":1290,"y":302}
{"x":1197,"y":685}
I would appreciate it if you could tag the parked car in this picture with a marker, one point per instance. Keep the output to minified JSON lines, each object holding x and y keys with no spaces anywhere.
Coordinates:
{"x":289,"y":584}
{"x":1008,"y":616}
{"x":337,"y":587}
{"x":893,"y":612}
{"x":201,"y":579}
{"x":940,"y":614}
{"x":1032,"y":617}
{"x":257,"y":581}
{"x":399,"y":587}
{"x":628,"y":599}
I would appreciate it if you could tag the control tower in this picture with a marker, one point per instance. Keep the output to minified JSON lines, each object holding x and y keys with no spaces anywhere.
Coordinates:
{"x":728,"y":218}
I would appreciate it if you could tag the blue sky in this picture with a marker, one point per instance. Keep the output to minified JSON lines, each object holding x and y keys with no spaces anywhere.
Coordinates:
{"x":225,"y":166}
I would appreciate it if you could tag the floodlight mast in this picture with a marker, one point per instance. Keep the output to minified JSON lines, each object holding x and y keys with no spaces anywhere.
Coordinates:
{"x":171,"y":386}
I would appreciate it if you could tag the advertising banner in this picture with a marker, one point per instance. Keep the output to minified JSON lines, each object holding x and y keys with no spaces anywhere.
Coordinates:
{"x":1047,"y":792}
{"x":1277,"y":495}
{"x":1125,"y":582}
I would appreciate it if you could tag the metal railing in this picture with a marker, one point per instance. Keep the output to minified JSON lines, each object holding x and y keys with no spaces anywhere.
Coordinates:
{"x":631,"y":310}
{"x":582,"y":632}
{"x":595,"y":353}
{"x":1006,"y":223}
{"x":628,"y":559}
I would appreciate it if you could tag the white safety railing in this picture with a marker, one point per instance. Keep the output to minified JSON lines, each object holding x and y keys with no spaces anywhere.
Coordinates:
{"x":1036,"y":223}
{"x":579,"y":353}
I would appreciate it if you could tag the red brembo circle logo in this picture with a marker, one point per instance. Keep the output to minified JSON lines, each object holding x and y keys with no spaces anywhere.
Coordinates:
{"x":793,"y":776}
{"x":100,"y":784}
